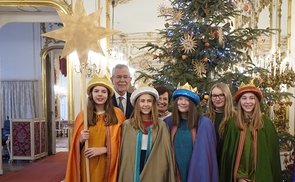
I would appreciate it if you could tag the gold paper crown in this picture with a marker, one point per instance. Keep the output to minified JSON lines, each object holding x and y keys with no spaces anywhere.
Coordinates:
{"x":248,"y":88}
{"x":104,"y":81}
{"x":187,"y":87}
{"x":251,"y":84}
{"x":142,"y":85}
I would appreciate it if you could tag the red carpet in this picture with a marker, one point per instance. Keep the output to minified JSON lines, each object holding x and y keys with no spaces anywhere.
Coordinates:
{"x":49,"y":169}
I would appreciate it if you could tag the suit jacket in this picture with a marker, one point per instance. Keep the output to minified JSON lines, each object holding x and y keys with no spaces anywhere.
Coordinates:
{"x":129,"y":107}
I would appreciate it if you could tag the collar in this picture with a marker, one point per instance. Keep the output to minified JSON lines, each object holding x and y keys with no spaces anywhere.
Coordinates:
{"x":99,"y":112}
{"x":164,"y":114}
{"x":124,"y":96}
{"x":218,"y":111}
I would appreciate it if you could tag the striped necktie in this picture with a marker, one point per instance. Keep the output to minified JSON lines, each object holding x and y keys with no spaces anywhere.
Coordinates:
{"x":121,"y":104}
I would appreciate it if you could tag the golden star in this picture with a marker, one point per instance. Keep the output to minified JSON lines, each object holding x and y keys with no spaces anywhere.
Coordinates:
{"x":81,"y":33}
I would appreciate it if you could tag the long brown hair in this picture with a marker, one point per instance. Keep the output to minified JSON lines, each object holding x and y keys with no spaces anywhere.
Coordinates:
{"x":256,"y":120}
{"x":136,"y":119}
{"x":229,"y":110}
{"x":193,"y":116}
{"x":110,"y":117}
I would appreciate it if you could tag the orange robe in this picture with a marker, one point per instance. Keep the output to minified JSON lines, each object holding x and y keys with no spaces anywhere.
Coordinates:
{"x":108,"y":163}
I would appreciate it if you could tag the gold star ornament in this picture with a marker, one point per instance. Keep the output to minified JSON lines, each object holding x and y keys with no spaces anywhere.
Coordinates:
{"x":81,"y":33}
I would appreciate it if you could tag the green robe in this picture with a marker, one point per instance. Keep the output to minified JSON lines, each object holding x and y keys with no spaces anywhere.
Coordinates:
{"x":268,"y":165}
{"x":160,"y":165}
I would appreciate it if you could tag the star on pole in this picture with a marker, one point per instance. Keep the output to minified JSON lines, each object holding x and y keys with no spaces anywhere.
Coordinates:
{"x":81,"y":32}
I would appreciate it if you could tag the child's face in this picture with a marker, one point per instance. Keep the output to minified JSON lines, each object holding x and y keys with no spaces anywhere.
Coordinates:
{"x":183,"y":104}
{"x":145,"y":103}
{"x":248,"y":103}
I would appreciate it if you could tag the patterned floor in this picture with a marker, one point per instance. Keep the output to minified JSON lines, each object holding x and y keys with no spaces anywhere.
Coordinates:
{"x":62,"y":142}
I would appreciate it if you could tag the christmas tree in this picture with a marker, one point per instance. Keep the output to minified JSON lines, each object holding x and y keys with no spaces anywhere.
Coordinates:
{"x":203,"y":47}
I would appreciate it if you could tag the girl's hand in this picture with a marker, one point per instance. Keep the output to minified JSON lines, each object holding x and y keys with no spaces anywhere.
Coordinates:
{"x":95,"y":151}
{"x":84,"y":136}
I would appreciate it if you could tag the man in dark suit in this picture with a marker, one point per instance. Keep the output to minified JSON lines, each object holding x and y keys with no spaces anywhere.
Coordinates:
{"x":121,"y":80}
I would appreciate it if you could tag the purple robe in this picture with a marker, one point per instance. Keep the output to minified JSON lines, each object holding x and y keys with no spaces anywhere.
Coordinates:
{"x":203,"y":163}
{"x":293,"y":175}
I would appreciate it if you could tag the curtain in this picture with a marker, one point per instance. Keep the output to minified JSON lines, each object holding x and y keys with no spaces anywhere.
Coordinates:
{"x":19,"y":99}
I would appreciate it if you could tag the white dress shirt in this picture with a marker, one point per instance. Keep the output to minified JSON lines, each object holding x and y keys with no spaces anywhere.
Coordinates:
{"x":124,"y":100}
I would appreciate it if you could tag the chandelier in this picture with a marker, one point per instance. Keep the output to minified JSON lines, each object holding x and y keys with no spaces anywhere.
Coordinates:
{"x":116,"y":2}
{"x":90,"y":69}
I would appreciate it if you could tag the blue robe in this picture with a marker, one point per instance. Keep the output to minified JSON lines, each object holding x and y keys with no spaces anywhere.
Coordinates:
{"x":203,"y":163}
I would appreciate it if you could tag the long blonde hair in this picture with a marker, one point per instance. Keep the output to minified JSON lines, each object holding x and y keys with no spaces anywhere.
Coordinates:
{"x":136,"y":119}
{"x":256,"y":120}
{"x":229,"y":110}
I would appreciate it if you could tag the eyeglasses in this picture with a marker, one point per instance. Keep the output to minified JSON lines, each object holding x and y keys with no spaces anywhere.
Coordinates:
{"x":122,"y":76}
{"x":220,"y":96}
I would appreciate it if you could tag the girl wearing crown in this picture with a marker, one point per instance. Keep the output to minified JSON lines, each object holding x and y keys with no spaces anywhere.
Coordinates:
{"x":193,"y":139}
{"x":251,"y":146}
{"x":220,"y":110}
{"x":103,"y":135}
{"x":146,"y":154}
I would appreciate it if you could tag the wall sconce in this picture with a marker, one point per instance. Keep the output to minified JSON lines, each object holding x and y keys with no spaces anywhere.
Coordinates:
{"x":90,"y":69}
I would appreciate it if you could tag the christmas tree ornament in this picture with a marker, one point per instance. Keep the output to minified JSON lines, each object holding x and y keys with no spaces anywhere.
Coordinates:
{"x":199,"y":67}
{"x":276,"y":107}
{"x":246,"y":7}
{"x":165,"y":59}
{"x":203,"y":102}
{"x":169,"y":10}
{"x":177,"y":16}
{"x":215,"y":33}
{"x":155,"y":56}
{"x":206,"y":96}
{"x":270,"y":103}
{"x":206,"y":9}
{"x":195,"y":12}
{"x":282,"y":103}
{"x":184,"y":57}
{"x":248,"y":43}
{"x":207,"y":44}
{"x":220,"y":38}
{"x":188,"y":44}
{"x":81,"y":33}
{"x":205,"y":60}
{"x":211,"y":36}
{"x":166,"y":25}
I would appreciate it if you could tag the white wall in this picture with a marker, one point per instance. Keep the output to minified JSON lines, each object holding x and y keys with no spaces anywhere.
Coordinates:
{"x":20,"y":46}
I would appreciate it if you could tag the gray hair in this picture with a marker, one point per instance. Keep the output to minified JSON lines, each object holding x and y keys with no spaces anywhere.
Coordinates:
{"x":119,"y":66}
